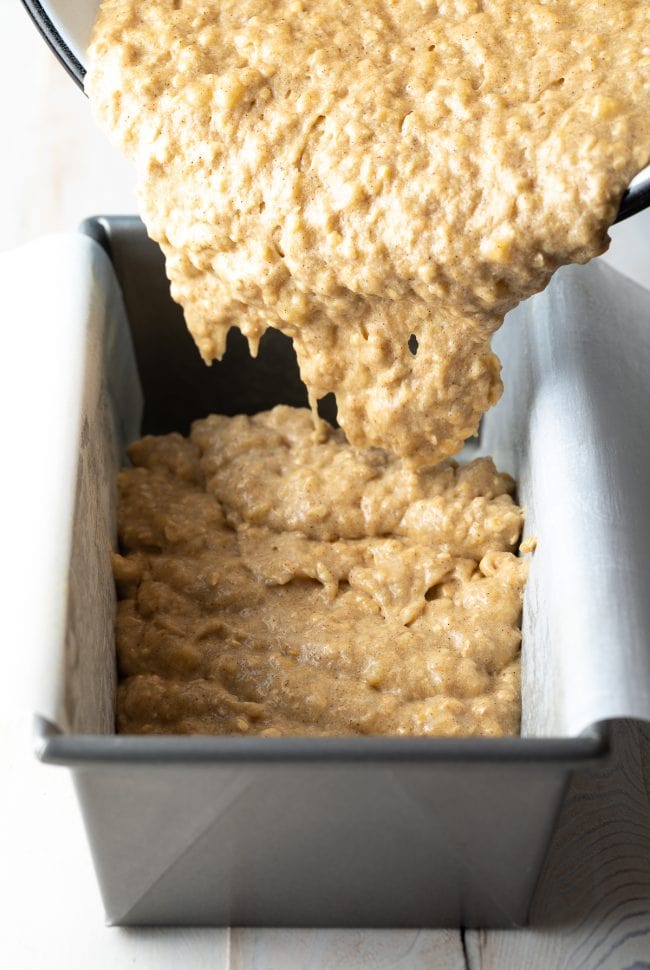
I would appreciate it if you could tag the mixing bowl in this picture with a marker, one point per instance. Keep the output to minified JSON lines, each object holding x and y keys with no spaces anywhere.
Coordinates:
{"x":66,"y":26}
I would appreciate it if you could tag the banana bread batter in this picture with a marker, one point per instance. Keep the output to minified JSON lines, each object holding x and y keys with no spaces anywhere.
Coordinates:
{"x":353,"y":172}
{"x":381,"y":180}
{"x":275,"y":580}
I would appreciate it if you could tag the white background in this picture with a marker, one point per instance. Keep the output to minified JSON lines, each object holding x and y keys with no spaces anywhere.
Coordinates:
{"x":55,"y":169}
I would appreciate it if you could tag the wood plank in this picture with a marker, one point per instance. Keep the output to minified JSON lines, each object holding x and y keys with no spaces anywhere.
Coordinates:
{"x":592,"y":908}
{"x":263,"y":949}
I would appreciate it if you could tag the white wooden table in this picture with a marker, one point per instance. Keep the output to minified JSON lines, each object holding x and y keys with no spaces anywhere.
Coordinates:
{"x":592,"y":909}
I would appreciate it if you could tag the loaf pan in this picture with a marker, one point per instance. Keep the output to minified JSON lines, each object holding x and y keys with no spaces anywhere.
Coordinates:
{"x":348,"y":832}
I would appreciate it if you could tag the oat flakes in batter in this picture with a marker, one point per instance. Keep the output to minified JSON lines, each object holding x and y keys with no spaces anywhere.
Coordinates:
{"x":277,"y":581}
{"x":355,"y":174}
{"x":356,"y":171}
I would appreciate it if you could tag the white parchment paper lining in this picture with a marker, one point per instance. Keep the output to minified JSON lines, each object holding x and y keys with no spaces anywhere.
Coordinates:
{"x":573,"y":426}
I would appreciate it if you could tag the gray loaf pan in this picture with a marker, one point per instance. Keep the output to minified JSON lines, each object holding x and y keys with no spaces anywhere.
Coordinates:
{"x":349,"y":832}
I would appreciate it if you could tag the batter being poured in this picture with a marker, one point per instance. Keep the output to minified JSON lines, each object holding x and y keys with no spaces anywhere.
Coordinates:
{"x":381,"y":180}
{"x":355,"y":173}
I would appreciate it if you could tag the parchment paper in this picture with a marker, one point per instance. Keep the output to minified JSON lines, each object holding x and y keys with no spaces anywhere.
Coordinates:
{"x":573,"y":427}
{"x":70,"y":401}
{"x":111,"y":408}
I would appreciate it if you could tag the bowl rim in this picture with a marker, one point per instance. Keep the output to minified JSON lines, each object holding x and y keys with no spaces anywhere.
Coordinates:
{"x":55,"y":41}
{"x":635,"y":198}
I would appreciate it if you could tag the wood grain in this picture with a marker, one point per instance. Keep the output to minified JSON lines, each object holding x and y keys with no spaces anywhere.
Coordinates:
{"x":346,"y":950}
{"x":592,"y":909}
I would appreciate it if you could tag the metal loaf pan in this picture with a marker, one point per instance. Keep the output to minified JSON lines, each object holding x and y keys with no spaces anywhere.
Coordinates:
{"x":350,"y":832}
